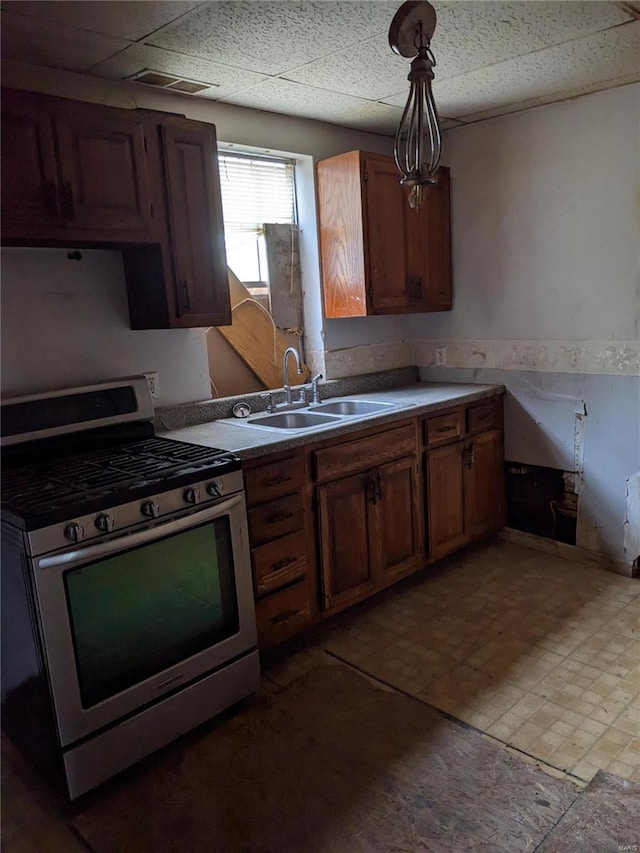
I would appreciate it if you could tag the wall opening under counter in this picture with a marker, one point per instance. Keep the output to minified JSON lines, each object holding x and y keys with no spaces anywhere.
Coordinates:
{"x":542,"y":501}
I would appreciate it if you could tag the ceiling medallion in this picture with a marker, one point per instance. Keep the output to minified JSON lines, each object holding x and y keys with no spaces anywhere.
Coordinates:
{"x":418,"y":141}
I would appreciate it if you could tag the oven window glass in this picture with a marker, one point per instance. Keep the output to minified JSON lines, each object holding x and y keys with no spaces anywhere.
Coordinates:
{"x":137,"y":613}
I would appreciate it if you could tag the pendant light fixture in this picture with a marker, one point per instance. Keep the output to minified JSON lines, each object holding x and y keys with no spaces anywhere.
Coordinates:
{"x":418,"y":141}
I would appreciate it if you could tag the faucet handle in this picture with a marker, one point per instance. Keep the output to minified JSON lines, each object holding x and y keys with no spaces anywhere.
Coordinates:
{"x":268,"y":395}
{"x":315,"y":393}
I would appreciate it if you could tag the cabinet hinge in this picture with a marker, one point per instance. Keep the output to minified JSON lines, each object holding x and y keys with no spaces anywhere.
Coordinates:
{"x":366,"y":175}
{"x":151,"y":209}
{"x":370,"y":292}
{"x":144,"y":139}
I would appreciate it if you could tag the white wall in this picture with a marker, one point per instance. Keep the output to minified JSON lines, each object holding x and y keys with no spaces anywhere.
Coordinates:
{"x":66,"y":322}
{"x":237,"y":125}
{"x":546,"y":250}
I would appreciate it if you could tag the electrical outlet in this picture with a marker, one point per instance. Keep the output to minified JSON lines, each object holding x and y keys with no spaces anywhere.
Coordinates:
{"x":154,"y":384}
{"x":441,"y":356}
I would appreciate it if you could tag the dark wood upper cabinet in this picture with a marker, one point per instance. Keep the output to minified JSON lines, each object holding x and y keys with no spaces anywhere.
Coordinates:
{"x":380,"y":256}
{"x":103,"y":170}
{"x":29,"y":171}
{"x":195,"y":221}
{"x":84,"y":175}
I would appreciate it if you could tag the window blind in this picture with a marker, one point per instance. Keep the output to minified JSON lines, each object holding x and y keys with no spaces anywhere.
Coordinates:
{"x":256,"y":190}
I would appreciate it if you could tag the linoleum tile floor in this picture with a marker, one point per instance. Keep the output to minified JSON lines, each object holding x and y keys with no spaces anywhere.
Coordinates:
{"x":537,"y":652}
{"x":540,"y":654}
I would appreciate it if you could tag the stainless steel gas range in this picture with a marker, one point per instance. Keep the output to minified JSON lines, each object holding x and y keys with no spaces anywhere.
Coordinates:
{"x":127,"y":606}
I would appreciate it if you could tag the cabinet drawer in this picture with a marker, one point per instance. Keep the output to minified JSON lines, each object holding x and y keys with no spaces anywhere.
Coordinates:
{"x":275,"y":519}
{"x":444,"y":427}
{"x":486,"y":416}
{"x":274,"y":480}
{"x":364,"y":453}
{"x":279,"y":563}
{"x":283,"y":615}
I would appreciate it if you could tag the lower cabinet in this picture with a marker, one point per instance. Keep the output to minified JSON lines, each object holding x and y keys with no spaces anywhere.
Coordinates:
{"x":369,"y":523}
{"x":283,"y":567}
{"x":334,"y":522}
{"x":464,"y":485}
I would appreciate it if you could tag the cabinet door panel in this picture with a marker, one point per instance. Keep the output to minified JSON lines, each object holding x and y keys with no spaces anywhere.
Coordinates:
{"x":445,"y":499}
{"x":429,"y":249}
{"x":345,"y":540}
{"x":104,"y":174}
{"x":197,"y":231}
{"x":398,"y":539}
{"x":29,"y":171}
{"x":386,"y":203}
{"x":484,"y":485}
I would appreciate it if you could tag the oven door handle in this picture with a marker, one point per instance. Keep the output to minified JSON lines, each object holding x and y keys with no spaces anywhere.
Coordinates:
{"x":124,"y":543}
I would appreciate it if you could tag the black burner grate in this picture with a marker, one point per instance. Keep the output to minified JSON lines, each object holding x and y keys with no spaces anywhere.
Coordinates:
{"x":88,"y":476}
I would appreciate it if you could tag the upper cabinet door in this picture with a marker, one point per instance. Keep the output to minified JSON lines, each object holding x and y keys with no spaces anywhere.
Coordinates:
{"x":429,"y":249}
{"x":29,"y":173}
{"x":195,"y":219}
{"x":379,"y":256}
{"x":385,"y":203}
{"x":104,"y":183}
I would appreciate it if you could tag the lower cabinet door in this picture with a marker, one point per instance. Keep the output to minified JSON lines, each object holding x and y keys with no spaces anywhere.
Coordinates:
{"x":398,"y":540}
{"x":445,"y":499}
{"x":345,"y":540}
{"x":484,"y":485}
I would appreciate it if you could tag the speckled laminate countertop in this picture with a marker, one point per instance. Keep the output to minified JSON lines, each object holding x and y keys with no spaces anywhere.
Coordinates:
{"x":409,"y":400}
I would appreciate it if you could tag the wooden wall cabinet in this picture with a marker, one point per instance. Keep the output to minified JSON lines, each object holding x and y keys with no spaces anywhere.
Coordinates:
{"x":369,"y":515}
{"x":379,"y":256}
{"x":84,"y":175}
{"x":464,"y":476}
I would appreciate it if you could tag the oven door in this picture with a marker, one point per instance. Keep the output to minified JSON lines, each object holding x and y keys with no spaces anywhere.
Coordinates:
{"x":129,"y":620}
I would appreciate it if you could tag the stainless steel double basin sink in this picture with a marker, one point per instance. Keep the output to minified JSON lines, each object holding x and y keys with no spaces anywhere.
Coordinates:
{"x":321,"y":414}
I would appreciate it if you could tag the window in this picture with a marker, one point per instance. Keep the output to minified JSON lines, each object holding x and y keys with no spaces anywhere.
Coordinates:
{"x":255,"y":190}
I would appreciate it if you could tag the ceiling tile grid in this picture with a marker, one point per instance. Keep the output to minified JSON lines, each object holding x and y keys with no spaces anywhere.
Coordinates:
{"x":330,"y":59}
{"x":568,"y":69}
{"x":271,"y":37}
{"x":54,"y":45}
{"x":128,"y":19}
{"x":281,"y":96}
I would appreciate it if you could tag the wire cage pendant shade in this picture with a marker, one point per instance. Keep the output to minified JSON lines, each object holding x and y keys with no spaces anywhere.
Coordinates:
{"x":418,"y":141}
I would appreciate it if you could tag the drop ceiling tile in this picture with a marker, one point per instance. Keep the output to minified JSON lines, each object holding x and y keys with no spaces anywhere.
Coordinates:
{"x":567,"y":70}
{"x":128,"y":19}
{"x":134,"y":59}
{"x":281,"y":96}
{"x":38,"y":43}
{"x":366,"y":70}
{"x":271,"y":37}
{"x":468,"y":36}
{"x":473,"y":35}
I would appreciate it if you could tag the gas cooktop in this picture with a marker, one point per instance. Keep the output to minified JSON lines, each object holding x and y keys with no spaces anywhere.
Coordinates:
{"x":45,"y":492}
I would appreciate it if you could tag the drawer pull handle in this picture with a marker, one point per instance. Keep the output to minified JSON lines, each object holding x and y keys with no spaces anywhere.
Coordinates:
{"x":445,"y":429}
{"x":279,"y":516}
{"x":282,"y":564}
{"x":284,"y":617}
{"x":277,"y":481}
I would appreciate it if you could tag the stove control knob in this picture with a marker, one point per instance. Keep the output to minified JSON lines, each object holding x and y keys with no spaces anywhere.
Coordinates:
{"x":150,"y":509}
{"x":192,"y":496}
{"x":104,"y":523}
{"x":215,"y":489}
{"x":74,"y":531}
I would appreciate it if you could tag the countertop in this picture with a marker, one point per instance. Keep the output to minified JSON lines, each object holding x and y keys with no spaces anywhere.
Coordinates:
{"x":411,"y":400}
